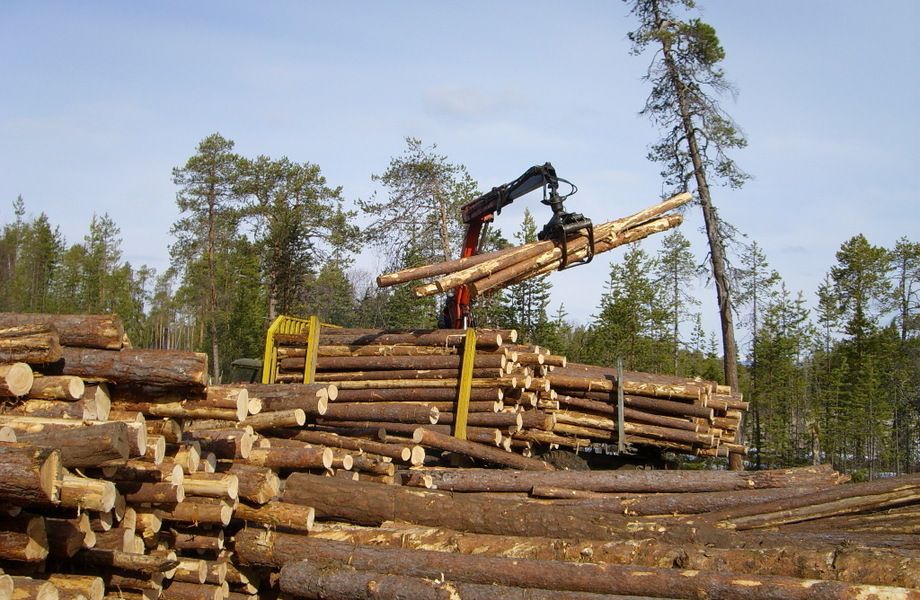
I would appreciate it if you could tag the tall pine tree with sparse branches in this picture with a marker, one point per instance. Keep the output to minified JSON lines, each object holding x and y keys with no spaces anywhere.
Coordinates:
{"x":686,"y":79}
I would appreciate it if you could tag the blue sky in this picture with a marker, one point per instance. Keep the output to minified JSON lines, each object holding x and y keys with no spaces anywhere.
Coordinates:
{"x":102,"y":99}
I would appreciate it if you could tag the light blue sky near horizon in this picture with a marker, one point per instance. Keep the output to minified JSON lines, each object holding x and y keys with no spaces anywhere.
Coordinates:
{"x":102,"y":99}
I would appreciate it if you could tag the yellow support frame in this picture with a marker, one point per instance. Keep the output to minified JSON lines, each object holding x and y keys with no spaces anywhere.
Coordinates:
{"x":309,"y":365}
{"x":466,"y":382}
{"x":284,"y":324}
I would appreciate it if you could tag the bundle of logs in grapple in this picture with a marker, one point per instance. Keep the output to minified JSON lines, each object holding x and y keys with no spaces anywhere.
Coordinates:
{"x":124,"y":475}
{"x":489,"y":272}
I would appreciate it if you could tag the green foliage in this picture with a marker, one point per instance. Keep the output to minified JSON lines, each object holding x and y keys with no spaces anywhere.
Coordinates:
{"x":675,"y":269}
{"x":525,"y":303}
{"x":631,"y":322}
{"x":422,"y":209}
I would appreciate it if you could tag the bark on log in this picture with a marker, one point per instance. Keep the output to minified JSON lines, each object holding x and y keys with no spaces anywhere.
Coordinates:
{"x":488,"y":480}
{"x":29,"y":474}
{"x":485,"y":338}
{"x":373,"y":503}
{"x":224,"y":443}
{"x":837,"y":500}
{"x":164,"y":368}
{"x":87,"y":494}
{"x":27,"y":588}
{"x":490,"y":454}
{"x":23,"y":538}
{"x":338,"y":377}
{"x":343,"y":582}
{"x":194,"y":510}
{"x":15,"y":379}
{"x":87,"y":331}
{"x":292,"y":457}
{"x":576,"y":577}
{"x":66,"y":538}
{"x":256,"y":484}
{"x":283,"y":515}
{"x":421,"y":394}
{"x":877,"y":566}
{"x":34,"y":344}
{"x":78,"y":586}
{"x":138,"y":563}
{"x":399,"y":413}
{"x":85,"y":446}
{"x":394,"y":451}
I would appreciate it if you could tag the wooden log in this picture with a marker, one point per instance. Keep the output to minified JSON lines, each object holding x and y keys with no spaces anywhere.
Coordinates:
{"x":395,"y":451}
{"x":373,"y":503}
{"x":117,"y":538}
{"x":195,"y":539}
{"x":29,"y":474}
{"x":396,"y":412}
{"x":57,"y":387}
{"x":500,"y":382}
{"x":224,"y":443}
{"x":195,"y":510}
{"x":145,"y":470}
{"x":126,"y":561}
{"x":180,"y":590}
{"x":15,"y":379}
{"x":283,"y":515}
{"x":490,"y":454}
{"x":488,"y":480}
{"x":338,"y":377}
{"x":57,"y":409}
{"x":513,"y":421}
{"x":443,"y":268}
{"x":553,"y":575}
{"x":88,"y":494}
{"x":292,"y":417}
{"x":168,"y":428}
{"x":369,"y":350}
{"x":27,"y":588}
{"x":631,"y":414}
{"x":420,"y":394}
{"x":34,"y":344}
{"x":85,"y":446}
{"x":256,"y":484}
{"x":292,"y":457}
{"x":23,"y":538}
{"x":310,"y":398}
{"x":67,"y":536}
{"x":88,"y":331}
{"x":837,"y":500}
{"x":343,"y":582}
{"x":161,"y":492}
{"x":392,"y":363}
{"x":191,"y":570}
{"x":488,"y":339}
{"x":165,"y":368}
{"x":213,"y":485}
{"x":181,"y":410}
{"x":89,"y":587}
{"x":810,"y":561}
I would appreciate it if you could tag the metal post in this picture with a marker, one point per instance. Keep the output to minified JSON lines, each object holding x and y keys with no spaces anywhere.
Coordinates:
{"x":466,"y":382}
{"x":621,"y":436}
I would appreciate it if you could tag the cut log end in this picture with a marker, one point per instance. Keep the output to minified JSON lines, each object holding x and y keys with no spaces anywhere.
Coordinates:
{"x":15,"y":379}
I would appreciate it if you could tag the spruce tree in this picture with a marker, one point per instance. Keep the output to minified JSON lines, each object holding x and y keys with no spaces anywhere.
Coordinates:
{"x":676,"y":269}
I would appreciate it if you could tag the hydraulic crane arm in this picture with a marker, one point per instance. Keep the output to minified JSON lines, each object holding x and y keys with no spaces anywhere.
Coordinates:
{"x":482,"y":210}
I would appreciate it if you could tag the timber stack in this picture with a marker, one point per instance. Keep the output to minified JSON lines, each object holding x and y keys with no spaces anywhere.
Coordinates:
{"x":124,"y":474}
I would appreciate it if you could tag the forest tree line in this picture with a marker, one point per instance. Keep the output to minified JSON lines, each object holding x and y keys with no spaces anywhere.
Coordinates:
{"x":260,"y":237}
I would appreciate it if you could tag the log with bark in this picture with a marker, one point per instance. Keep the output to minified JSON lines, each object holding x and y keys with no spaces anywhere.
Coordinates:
{"x":87,"y":331}
{"x":33,"y":344}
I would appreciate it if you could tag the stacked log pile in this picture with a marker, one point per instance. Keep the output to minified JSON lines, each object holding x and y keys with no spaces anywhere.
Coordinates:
{"x":178,"y":489}
{"x":685,"y":415}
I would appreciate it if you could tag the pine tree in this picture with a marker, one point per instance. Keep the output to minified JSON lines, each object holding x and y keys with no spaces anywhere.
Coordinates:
{"x":697,"y":132}
{"x":296,"y":218}
{"x":422,"y":209}
{"x":631,"y":323}
{"x":526,"y":302}
{"x":209,"y":205}
{"x":676,"y":269}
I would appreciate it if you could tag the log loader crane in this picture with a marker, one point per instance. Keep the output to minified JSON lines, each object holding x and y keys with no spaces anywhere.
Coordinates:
{"x":478,"y":213}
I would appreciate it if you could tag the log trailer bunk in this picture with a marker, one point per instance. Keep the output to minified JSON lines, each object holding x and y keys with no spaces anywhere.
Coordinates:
{"x":480,"y":212}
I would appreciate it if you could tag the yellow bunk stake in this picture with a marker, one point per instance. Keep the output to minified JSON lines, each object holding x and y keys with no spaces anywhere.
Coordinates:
{"x":309,"y":367}
{"x":466,"y":382}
